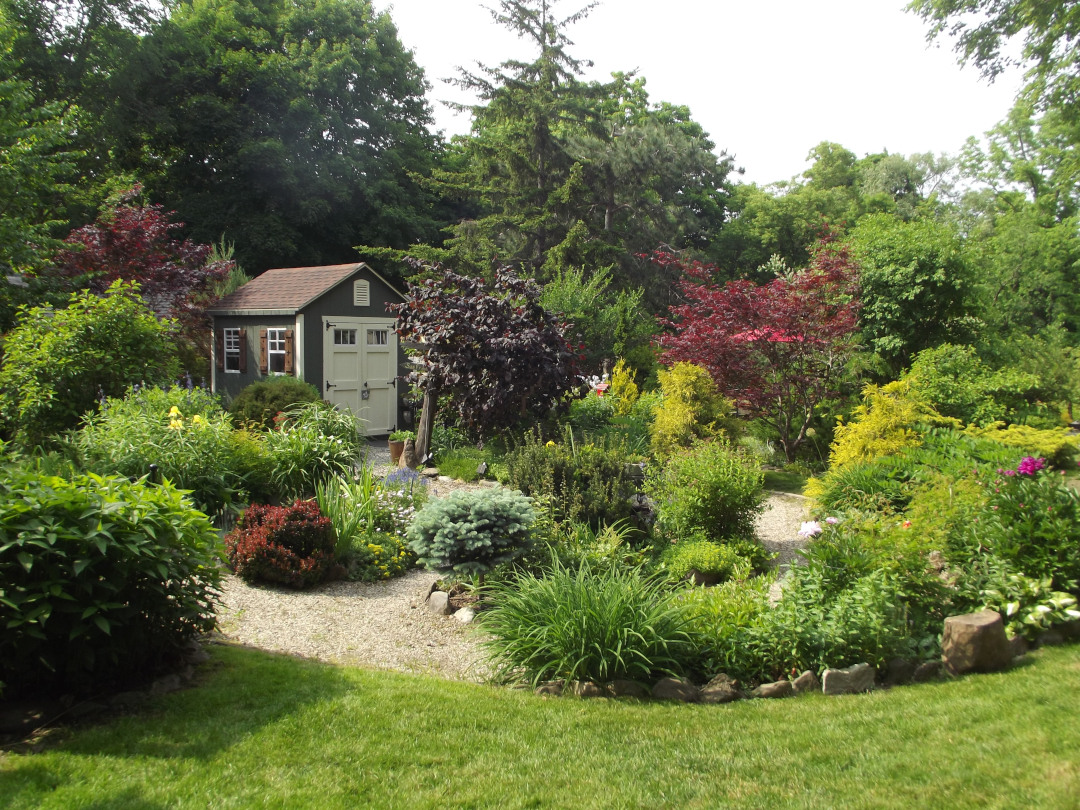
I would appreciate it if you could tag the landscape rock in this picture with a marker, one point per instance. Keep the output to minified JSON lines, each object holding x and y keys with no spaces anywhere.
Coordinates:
{"x":624,"y":688}
{"x":806,"y":683}
{"x":438,"y":602}
{"x":1018,"y":646}
{"x":465,"y":615}
{"x":852,"y":680}
{"x":899,"y":670}
{"x":975,"y":642}
{"x":721,"y":689}
{"x":676,"y":689}
{"x":430,"y":472}
{"x":166,"y":684}
{"x":1051,"y":638}
{"x":776,"y":689}
{"x":550,"y":688}
{"x":585,"y":689}
{"x":927,"y":671}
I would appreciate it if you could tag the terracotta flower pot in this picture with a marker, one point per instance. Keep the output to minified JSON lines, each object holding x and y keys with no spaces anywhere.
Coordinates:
{"x":395,"y":451}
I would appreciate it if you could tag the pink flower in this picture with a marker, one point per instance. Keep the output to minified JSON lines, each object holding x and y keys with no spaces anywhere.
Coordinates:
{"x":832,"y":521}
{"x":810,"y":528}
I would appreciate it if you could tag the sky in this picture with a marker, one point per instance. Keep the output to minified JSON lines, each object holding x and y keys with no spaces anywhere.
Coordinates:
{"x":767,"y":79}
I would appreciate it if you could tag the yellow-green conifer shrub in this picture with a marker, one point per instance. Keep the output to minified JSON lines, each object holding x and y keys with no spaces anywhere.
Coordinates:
{"x":884,"y":424}
{"x":692,"y":409}
{"x":1056,"y":445}
{"x":623,"y":391}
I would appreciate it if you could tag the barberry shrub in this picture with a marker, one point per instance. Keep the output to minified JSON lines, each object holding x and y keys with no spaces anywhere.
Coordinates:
{"x":288,"y":545}
{"x":101,"y":580}
{"x":470,"y":532}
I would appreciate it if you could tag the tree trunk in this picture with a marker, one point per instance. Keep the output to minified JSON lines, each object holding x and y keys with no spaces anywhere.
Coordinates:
{"x":427,"y":422}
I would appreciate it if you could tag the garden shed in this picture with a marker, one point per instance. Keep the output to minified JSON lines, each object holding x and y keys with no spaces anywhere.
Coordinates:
{"x":326,"y":325}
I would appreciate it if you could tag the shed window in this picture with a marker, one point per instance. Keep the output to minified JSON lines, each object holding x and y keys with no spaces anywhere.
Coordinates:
{"x":361,"y":293}
{"x":377,"y":337}
{"x":276,"y":351}
{"x":344,"y":337}
{"x":232,"y":350}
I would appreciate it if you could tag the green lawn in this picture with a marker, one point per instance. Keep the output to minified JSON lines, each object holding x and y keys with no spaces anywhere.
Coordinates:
{"x":780,"y":481}
{"x":269,"y":731}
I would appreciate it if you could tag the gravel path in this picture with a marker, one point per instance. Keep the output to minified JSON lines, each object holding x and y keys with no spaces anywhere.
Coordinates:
{"x":386,"y":625}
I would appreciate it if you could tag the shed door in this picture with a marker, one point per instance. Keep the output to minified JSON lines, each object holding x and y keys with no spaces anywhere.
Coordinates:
{"x":360,"y":361}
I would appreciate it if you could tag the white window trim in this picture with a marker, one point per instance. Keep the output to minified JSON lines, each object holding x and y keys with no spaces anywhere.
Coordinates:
{"x":231,"y":335}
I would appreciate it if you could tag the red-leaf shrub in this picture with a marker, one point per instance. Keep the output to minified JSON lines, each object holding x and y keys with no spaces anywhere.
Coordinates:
{"x":290,"y":545}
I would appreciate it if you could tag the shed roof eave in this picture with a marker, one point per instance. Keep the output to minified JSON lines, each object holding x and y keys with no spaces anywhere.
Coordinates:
{"x":233,"y":312}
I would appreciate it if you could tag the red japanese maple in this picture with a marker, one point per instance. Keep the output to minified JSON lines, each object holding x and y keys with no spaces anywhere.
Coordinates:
{"x":777,"y":349}
{"x":138,"y":243}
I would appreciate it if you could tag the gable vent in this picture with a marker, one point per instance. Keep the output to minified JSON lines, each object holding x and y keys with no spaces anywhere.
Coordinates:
{"x":361,"y":293}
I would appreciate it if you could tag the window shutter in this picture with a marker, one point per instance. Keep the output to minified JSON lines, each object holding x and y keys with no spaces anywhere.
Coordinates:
{"x":243,"y":350}
{"x":288,"y":351}
{"x":219,"y":347}
{"x":264,"y":365}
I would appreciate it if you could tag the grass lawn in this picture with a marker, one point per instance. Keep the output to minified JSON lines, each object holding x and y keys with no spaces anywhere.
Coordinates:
{"x":270,"y":731}
{"x":780,"y":481}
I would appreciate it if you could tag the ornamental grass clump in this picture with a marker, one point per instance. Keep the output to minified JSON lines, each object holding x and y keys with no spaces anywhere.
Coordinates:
{"x":471,"y":532}
{"x":592,"y":624}
{"x":312,"y":443}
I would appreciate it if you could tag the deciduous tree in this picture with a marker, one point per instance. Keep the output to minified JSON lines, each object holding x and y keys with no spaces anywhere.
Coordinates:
{"x":493,"y":350}
{"x":777,"y":349}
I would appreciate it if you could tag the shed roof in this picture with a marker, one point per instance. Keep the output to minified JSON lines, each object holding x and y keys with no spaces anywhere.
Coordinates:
{"x":288,"y":288}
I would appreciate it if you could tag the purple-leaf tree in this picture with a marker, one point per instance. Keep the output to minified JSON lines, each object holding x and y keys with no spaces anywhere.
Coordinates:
{"x":491,"y":349}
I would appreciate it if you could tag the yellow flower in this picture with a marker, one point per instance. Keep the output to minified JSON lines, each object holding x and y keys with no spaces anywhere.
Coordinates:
{"x":176,"y":424}
{"x":197,"y":420}
{"x":174,"y":412}
{"x":550,"y":443}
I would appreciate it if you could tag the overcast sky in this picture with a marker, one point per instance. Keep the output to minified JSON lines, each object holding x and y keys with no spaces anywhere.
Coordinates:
{"x":767,"y":79}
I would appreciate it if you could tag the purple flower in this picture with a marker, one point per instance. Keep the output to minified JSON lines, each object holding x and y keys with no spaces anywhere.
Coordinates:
{"x":1029,"y":465}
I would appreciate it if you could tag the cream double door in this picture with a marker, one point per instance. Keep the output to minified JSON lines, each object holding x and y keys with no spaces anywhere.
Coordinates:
{"x":360,"y":369}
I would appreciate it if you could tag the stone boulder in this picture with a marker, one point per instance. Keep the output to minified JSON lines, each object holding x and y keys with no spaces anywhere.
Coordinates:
{"x":807,"y":682}
{"x":625,"y":688}
{"x":975,"y":642}
{"x":777,"y":689}
{"x":552,"y":688}
{"x":585,"y":689}
{"x":721,"y":689}
{"x":438,"y":602}
{"x":676,"y":689}
{"x":852,"y":680}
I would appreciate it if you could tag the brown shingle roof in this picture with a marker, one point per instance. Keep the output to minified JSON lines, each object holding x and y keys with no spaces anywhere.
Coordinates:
{"x":286,"y":288}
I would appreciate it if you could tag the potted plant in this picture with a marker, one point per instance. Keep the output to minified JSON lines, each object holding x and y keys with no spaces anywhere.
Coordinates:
{"x":397,"y":443}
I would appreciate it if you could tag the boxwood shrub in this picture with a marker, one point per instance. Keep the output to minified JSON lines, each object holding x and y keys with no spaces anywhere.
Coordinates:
{"x":101,"y":580}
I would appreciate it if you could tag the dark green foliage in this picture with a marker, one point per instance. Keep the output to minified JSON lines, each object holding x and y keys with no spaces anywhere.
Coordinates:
{"x":101,"y":580}
{"x":313,"y":443}
{"x":260,"y":402}
{"x":289,"y":545}
{"x":58,"y":365}
{"x":596,"y":624}
{"x":710,"y":489}
{"x":582,"y":482}
{"x":1033,"y":522}
{"x":471,"y":531}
